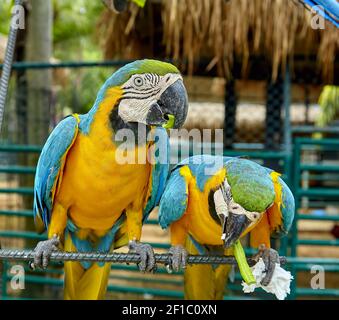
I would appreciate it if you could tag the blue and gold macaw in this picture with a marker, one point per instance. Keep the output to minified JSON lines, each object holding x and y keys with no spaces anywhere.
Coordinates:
{"x":100,"y":174}
{"x":210,"y":202}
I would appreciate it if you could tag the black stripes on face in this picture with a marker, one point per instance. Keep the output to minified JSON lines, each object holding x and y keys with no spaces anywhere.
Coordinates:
{"x":142,"y":86}
{"x":152,"y":78}
{"x":141,"y":94}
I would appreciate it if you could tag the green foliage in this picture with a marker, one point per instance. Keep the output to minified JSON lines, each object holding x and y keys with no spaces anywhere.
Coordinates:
{"x":74,"y":37}
{"x":82,"y":88}
{"x":140,"y":3}
{"x":5,"y":14}
{"x":329,"y":104}
{"x":74,"y":29}
{"x":74,"y":18}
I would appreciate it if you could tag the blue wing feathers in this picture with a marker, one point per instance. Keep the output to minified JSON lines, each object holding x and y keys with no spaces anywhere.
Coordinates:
{"x":160,"y":171}
{"x":49,"y":165}
{"x":173,"y":203}
{"x":288,"y":206}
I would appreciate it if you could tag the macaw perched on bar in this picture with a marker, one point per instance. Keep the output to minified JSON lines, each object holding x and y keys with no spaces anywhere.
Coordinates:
{"x":209,"y":203}
{"x":93,"y":195}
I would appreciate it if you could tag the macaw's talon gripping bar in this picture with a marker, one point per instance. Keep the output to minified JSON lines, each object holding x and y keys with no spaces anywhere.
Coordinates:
{"x":28,"y":255}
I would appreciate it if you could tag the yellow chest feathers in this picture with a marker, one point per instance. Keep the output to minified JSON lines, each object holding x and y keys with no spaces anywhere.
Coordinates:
{"x":96,"y":187}
{"x":201,"y":224}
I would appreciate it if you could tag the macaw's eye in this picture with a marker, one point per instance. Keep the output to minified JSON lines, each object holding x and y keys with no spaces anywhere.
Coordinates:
{"x":138,"y":81}
{"x":255,"y":216}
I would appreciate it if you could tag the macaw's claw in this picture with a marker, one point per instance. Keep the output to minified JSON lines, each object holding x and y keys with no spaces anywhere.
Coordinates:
{"x":179,"y":256}
{"x":147,"y":258}
{"x":43,"y":251}
{"x":270,"y":257}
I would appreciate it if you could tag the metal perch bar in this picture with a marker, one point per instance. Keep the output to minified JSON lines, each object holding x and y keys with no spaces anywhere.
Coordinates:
{"x":119,"y":257}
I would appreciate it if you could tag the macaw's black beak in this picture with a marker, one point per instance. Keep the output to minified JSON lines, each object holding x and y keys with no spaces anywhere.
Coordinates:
{"x":234,"y":226}
{"x":170,"y":111}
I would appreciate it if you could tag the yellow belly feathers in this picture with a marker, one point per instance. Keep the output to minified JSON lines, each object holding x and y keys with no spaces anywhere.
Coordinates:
{"x":95,"y":188}
{"x":201,"y":225}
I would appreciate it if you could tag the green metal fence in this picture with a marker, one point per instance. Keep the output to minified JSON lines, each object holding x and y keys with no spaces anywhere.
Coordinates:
{"x":289,"y":158}
{"x":326,"y":194}
{"x":153,"y":286}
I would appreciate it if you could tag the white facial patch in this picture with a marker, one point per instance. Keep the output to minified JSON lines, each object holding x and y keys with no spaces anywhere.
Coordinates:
{"x":220,"y":204}
{"x":141,"y":91}
{"x":220,"y":207}
{"x":226,"y":191}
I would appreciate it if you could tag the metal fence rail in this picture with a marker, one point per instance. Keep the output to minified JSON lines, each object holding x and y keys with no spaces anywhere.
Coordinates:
{"x":299,"y":264}
{"x":319,"y":145}
{"x":299,"y":191}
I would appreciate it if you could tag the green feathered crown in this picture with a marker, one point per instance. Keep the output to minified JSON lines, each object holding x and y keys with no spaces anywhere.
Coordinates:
{"x":251,"y":185}
{"x":138,"y":67}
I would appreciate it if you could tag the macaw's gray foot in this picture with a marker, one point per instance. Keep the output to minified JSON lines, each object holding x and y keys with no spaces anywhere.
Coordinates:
{"x":43,"y":251}
{"x":178,"y":260}
{"x":147,"y":259}
{"x":270,"y":257}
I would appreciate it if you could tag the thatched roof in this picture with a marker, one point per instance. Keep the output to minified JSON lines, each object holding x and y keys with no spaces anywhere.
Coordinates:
{"x":220,"y":31}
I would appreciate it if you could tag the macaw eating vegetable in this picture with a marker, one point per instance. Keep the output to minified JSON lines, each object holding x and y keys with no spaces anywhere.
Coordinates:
{"x":89,"y":199}
{"x":210,"y":202}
